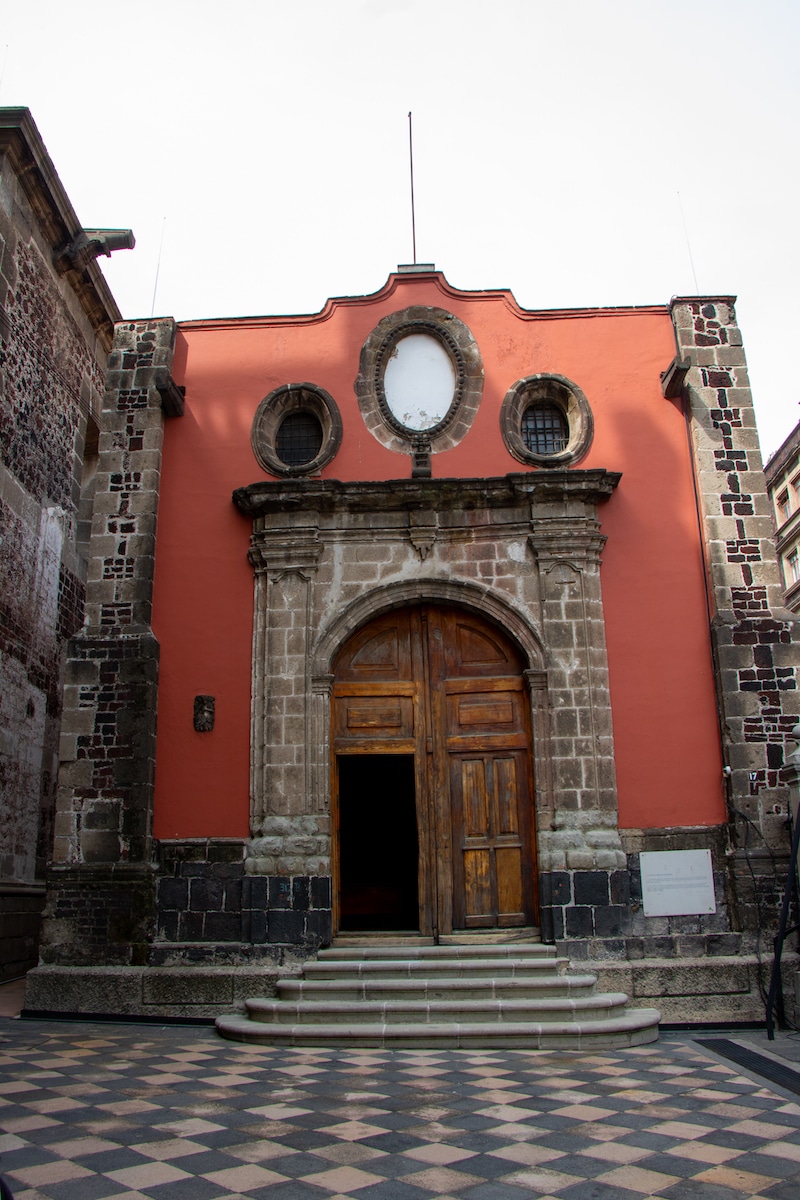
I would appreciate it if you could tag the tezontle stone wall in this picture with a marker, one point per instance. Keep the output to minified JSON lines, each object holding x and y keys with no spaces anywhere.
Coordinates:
{"x":55,"y":332}
{"x":755,"y":657}
{"x":101,"y":898}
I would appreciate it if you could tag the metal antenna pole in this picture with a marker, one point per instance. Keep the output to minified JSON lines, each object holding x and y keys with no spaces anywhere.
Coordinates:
{"x":688,"y":244}
{"x":158,"y":265}
{"x":411,"y":167}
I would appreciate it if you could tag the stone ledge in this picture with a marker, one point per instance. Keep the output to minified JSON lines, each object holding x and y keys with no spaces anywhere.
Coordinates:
{"x":699,"y":990}
{"x":191,"y":991}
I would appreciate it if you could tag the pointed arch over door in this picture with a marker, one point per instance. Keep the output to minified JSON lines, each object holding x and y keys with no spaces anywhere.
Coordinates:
{"x":446,"y":690}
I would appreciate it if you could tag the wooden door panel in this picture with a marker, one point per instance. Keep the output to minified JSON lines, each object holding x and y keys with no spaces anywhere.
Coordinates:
{"x":475,"y":798}
{"x":474,"y":648}
{"x":478,"y":901}
{"x":381,"y":652}
{"x":493,"y":867}
{"x":510,"y":897}
{"x":506,"y":796}
{"x":478,"y":712}
{"x":484,"y":710}
{"x":370,"y":718}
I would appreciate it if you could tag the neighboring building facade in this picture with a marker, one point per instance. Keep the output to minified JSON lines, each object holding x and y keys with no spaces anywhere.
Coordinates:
{"x":782,"y":474}
{"x":57,"y":321}
{"x":494,"y":609}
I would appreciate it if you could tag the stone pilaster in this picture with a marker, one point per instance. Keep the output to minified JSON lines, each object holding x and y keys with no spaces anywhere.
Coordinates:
{"x":755,"y":659}
{"x":289,"y":838}
{"x":100,"y":890}
{"x":582,"y":862}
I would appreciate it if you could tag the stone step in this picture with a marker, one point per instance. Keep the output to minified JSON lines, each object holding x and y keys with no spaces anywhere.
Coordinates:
{"x":416,"y":994}
{"x":348,"y":990}
{"x":438,"y":967}
{"x":475,"y":937}
{"x":369,"y":937}
{"x":632,"y":1028}
{"x":430,"y":953}
{"x":462,"y":937}
{"x":483,"y":1010}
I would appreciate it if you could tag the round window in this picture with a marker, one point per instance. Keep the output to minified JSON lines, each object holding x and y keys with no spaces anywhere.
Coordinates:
{"x":546,"y":421}
{"x":545,"y":429}
{"x":299,"y":439}
{"x":419,"y":382}
{"x":297,"y":430}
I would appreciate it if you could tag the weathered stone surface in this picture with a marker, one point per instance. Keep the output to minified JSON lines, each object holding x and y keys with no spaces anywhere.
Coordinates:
{"x":755,"y":659}
{"x":188,"y":991}
{"x":54,"y":338}
{"x":696,"y":990}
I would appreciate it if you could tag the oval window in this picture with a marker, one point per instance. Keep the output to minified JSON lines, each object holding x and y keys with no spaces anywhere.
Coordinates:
{"x":299,"y":439}
{"x":419,"y":382}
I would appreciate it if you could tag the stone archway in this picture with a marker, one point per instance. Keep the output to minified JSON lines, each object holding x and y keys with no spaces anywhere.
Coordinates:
{"x":432,"y":810}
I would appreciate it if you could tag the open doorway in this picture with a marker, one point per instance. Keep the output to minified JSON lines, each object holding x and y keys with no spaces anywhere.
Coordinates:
{"x":378,"y":846}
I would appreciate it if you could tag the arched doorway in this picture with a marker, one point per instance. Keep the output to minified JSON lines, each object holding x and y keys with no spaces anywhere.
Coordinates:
{"x":432,"y":776}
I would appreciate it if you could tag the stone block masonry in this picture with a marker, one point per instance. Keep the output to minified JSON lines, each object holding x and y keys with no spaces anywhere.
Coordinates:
{"x":101,"y":900}
{"x":755,"y":656}
{"x":205,"y":900}
{"x":55,"y":333}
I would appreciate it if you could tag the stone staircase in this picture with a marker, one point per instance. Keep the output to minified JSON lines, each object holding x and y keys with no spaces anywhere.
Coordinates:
{"x":403,"y":993}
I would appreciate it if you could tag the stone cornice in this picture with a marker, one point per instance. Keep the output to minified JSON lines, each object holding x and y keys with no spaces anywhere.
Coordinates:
{"x":397,"y":495}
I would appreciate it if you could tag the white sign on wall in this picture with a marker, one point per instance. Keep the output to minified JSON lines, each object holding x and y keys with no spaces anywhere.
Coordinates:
{"x":677,"y":883}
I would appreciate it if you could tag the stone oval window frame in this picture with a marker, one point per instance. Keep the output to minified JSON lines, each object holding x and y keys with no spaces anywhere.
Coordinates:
{"x":460,"y":345}
{"x":560,"y":392}
{"x":289,"y":398}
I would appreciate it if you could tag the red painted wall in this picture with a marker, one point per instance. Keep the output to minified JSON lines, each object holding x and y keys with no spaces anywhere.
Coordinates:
{"x":665,"y":726}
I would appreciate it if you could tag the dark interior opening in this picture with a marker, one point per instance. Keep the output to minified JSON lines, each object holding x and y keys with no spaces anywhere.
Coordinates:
{"x":378,"y":848}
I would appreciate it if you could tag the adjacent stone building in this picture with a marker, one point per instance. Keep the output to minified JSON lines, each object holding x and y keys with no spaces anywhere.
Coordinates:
{"x":424,"y":613}
{"x":57,"y":321}
{"x":782,"y":474}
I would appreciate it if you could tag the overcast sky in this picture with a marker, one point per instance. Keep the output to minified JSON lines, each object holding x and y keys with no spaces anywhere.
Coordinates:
{"x":578,"y":152}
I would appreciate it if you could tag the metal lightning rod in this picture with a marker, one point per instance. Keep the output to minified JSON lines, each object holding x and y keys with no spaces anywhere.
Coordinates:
{"x":411,"y":168}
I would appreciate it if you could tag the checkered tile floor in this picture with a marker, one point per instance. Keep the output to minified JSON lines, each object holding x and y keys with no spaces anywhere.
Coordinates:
{"x":91,"y":1112}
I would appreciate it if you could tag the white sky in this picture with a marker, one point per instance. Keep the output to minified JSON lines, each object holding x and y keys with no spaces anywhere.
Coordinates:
{"x":558,"y":148}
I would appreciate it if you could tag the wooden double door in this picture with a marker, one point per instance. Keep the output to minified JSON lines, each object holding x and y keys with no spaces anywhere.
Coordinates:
{"x":432,"y":787}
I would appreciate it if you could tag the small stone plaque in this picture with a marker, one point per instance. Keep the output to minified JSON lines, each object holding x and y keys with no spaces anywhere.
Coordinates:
{"x":204,"y":713}
{"x":677,"y":883}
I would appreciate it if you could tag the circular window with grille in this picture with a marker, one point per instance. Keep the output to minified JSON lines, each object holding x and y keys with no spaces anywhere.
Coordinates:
{"x":297,"y":429}
{"x":299,"y":439}
{"x":546,"y":421}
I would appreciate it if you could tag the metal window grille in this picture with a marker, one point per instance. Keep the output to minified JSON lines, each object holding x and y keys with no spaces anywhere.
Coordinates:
{"x":544,"y":429}
{"x":299,"y":439}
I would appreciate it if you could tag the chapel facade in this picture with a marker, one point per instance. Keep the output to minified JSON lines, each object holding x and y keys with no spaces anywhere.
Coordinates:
{"x":429,"y":614}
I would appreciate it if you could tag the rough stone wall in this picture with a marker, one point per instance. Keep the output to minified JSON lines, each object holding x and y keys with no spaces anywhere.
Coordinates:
{"x":101,"y":899}
{"x":205,"y":899}
{"x":752,"y":635}
{"x":51,"y":372}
